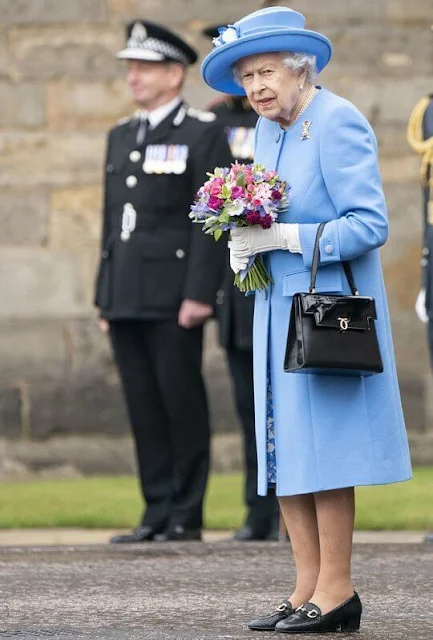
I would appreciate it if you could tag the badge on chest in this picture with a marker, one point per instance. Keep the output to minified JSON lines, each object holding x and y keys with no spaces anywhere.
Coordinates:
{"x":163,"y":158}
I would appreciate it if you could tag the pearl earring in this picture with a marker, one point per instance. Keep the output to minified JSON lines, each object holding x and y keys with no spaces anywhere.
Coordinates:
{"x":301,"y":86}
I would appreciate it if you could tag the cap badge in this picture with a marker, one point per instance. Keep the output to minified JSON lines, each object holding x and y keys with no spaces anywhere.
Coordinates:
{"x":138,"y":34}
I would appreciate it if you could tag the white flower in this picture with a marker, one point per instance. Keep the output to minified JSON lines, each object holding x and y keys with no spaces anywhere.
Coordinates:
{"x":236,"y":208}
{"x":229,"y":35}
{"x":226,"y":35}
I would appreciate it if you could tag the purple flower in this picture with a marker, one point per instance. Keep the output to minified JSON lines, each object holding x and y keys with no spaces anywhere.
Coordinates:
{"x":237,"y":192}
{"x":215,"y":203}
{"x":266,"y":222}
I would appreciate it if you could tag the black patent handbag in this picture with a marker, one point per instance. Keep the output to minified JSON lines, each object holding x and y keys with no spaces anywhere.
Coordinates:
{"x":332,"y":334}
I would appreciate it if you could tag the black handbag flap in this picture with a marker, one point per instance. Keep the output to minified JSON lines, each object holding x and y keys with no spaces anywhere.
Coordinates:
{"x":340,"y":312}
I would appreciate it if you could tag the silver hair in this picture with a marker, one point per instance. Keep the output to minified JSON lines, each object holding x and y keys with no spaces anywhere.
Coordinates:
{"x":299,"y":63}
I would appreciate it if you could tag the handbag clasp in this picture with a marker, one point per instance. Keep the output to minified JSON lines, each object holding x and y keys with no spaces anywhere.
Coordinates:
{"x":344,"y":323}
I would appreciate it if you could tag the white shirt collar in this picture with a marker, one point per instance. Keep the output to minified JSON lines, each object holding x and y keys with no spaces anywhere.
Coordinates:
{"x":156,"y":116}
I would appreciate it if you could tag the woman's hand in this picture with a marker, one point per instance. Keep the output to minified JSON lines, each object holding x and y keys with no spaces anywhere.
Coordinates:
{"x":249,"y":241}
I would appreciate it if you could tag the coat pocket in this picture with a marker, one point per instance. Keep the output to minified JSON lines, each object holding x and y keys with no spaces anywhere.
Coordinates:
{"x":329,"y":279}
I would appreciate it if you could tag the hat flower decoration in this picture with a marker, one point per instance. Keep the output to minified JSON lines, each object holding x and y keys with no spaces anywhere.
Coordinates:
{"x":226,"y":35}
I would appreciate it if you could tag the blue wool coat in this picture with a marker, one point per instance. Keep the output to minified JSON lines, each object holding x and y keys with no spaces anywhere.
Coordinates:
{"x":330,"y":432}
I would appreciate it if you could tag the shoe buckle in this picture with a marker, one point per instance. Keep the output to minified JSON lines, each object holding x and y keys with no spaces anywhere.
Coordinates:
{"x":310,"y":614}
{"x":282,"y":607}
{"x":313,"y":614}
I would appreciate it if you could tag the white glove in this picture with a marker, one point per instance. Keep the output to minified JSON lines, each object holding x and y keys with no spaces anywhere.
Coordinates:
{"x":420,"y":309}
{"x":248,"y":241}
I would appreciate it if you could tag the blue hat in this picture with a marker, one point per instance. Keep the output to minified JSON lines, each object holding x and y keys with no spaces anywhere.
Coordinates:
{"x":265,"y":31}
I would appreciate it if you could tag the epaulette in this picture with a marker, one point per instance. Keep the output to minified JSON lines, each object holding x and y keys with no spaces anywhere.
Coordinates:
{"x":203,"y":116}
{"x":127,"y":119}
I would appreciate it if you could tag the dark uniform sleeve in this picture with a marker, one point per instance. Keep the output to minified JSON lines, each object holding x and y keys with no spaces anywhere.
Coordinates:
{"x":105,"y":218}
{"x":206,"y":257}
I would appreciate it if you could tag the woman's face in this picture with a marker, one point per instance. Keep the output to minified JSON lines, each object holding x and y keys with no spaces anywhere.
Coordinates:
{"x":272,"y":88}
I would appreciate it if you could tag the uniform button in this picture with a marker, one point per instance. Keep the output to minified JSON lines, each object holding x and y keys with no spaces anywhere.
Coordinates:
{"x":180,"y":253}
{"x":131,"y":181}
{"x":425,"y":251}
{"x":105,"y":254}
{"x":329,"y":249}
{"x":110,"y":168}
{"x":424,"y":262}
{"x":220,"y":296}
{"x":135,"y":156}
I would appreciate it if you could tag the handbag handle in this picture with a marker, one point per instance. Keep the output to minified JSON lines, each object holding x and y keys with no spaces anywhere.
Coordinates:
{"x":315,"y":265}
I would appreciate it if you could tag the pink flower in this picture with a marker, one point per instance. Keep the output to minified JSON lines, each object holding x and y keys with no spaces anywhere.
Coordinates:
{"x":250,"y":188}
{"x":237,"y":192}
{"x":256,"y":202}
{"x":215,"y":190}
{"x":215,"y":203}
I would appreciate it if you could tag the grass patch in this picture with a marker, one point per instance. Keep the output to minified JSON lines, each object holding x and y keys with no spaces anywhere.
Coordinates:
{"x":114,"y":502}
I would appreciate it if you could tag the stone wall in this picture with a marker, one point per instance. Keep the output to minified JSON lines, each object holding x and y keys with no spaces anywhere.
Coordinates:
{"x":60,"y":89}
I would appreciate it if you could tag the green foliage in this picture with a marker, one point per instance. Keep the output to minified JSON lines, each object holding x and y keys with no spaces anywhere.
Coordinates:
{"x":114,"y":502}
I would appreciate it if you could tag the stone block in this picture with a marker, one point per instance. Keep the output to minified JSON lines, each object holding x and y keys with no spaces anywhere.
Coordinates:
{"x":35,"y":159}
{"x":369,"y":50}
{"x":399,"y":169}
{"x":86,"y":106}
{"x":53,"y":52}
{"x":405,"y":223}
{"x":23,"y":106}
{"x":33,"y":349}
{"x":75,"y":221}
{"x":23,"y":217}
{"x":418,"y":11}
{"x":123,"y":10}
{"x":52,"y":11}
{"x":39,"y":283}
{"x":79,"y":407}
{"x":10,"y":412}
{"x":90,"y":352}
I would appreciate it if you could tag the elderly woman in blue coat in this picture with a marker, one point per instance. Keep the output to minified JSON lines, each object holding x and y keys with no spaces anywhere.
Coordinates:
{"x":317,"y":436}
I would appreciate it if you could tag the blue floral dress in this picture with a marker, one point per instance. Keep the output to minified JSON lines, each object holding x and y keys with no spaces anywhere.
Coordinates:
{"x":270,"y":436}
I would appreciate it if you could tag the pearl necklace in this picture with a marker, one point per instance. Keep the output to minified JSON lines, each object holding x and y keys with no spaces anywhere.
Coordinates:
{"x":306,"y":103}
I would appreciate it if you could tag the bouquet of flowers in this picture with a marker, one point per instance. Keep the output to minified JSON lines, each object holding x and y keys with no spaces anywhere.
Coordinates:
{"x":239,"y":196}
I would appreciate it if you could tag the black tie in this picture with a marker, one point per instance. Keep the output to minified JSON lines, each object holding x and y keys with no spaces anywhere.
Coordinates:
{"x":142,"y":129}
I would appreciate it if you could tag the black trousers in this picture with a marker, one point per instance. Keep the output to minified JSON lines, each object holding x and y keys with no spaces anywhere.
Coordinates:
{"x":263,"y":511}
{"x":160,"y":369}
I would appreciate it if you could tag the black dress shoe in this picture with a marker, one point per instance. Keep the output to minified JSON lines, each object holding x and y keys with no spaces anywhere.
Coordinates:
{"x":178,"y":533}
{"x":309,"y":618}
{"x":140,"y":534}
{"x":269,"y":621}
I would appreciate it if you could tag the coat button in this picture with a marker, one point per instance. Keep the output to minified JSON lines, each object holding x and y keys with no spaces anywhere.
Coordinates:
{"x":110,"y":168}
{"x":180,"y":253}
{"x":105,"y":254}
{"x":131,"y":181}
{"x":425,"y":251}
{"x":220,"y":296}
{"x":135,"y":156}
{"x":329,"y":249}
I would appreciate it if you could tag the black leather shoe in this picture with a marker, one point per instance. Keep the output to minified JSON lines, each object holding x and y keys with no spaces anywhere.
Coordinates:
{"x":269,"y":621}
{"x":140,"y":534}
{"x":309,"y":618}
{"x":178,"y":533}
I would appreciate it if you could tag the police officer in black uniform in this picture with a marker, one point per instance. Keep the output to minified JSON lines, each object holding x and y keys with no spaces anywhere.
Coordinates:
{"x":235,"y":318}
{"x":420,"y":137}
{"x":158,"y":278}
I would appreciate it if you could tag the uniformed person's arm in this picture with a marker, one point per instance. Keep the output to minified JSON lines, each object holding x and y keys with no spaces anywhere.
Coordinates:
{"x":106,"y":225}
{"x":206,"y":257}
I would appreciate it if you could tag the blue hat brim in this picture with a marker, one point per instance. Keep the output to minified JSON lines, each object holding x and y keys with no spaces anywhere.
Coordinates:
{"x":217,"y":67}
